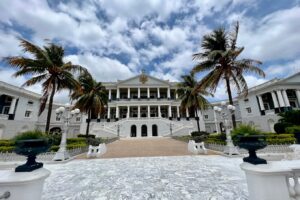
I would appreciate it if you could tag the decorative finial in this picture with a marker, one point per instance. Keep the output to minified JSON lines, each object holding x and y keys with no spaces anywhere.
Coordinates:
{"x":143,"y":77}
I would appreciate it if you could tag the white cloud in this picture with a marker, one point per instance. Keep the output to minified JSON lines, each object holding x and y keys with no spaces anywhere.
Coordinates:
{"x":272,"y":38}
{"x":9,"y":44}
{"x":283,"y":69}
{"x":102,"y":68}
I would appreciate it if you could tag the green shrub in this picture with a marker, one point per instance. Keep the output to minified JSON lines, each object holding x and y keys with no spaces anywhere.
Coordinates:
{"x":281,"y":126}
{"x":291,"y":117}
{"x":199,"y":136}
{"x":76,"y":140}
{"x":54,"y":148}
{"x":35,"y":134}
{"x":55,"y":139}
{"x":4,"y":149}
{"x":245,"y":130}
{"x":293,"y":130}
{"x":6,"y":143}
{"x":281,"y":141}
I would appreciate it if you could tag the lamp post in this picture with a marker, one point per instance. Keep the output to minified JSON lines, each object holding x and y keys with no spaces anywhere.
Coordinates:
{"x":66,"y":115}
{"x":171,"y":128}
{"x":230,"y":148}
{"x":118,"y":129}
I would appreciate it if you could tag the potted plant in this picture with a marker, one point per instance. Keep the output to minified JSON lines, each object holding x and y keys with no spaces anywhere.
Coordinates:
{"x":30,"y":144}
{"x":247,"y":137}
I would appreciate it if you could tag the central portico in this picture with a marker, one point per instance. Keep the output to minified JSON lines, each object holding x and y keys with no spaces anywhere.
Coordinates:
{"x":143,"y":106}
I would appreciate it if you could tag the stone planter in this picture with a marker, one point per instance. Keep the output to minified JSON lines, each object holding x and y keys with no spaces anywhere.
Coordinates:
{"x":31,"y":148}
{"x":252,"y":143}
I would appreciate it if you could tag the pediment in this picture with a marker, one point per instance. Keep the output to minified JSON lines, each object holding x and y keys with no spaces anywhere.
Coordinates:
{"x":143,"y":80}
{"x":292,"y":79}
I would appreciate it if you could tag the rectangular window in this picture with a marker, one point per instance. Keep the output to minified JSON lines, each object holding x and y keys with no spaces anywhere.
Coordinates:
{"x":249,"y":110}
{"x":30,"y":102}
{"x":28,"y":113}
{"x":78,"y":119}
{"x":246,"y":100}
{"x":57,"y":118}
{"x":206,"y":116}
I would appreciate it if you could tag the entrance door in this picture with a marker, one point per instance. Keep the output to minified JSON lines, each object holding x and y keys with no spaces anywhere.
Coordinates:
{"x":144,"y":131}
{"x":133,"y":131}
{"x":154,"y":130}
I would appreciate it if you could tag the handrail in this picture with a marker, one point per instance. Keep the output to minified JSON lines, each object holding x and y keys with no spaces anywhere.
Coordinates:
{"x":5,"y":195}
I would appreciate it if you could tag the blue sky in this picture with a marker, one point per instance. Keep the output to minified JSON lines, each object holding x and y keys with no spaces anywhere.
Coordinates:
{"x":117,"y":39}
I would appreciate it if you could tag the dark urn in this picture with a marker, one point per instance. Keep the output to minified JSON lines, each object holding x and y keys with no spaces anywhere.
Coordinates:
{"x":31,"y":148}
{"x":252,"y":143}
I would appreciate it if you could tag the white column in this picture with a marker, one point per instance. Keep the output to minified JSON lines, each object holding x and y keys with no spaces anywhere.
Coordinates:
{"x":280,"y":98}
{"x":148,"y":93}
{"x":139,"y":111}
{"x":178,"y":114}
{"x":128,"y":112}
{"x":285,"y":98}
{"x":118,"y":93}
{"x":109,"y":94}
{"x":148,"y":111}
{"x":187,"y":112}
{"x":12,"y":106}
{"x":158,"y":93}
{"x":108,"y":112}
{"x":275,"y":102}
{"x":176,"y":95}
{"x":128,"y":93}
{"x":169,"y":93}
{"x":159,"y":112}
{"x":298,"y":97}
{"x":170,"y":111}
{"x":261,"y":103}
{"x":117,"y":112}
{"x":139,"y":93}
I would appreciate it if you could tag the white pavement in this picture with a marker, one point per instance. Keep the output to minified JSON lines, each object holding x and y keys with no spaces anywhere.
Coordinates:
{"x":174,"y":178}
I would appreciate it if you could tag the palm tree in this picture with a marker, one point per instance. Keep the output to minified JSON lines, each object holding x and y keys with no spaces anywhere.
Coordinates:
{"x":46,"y":67}
{"x":190,"y":99}
{"x":219,"y":57}
{"x":91,"y":97}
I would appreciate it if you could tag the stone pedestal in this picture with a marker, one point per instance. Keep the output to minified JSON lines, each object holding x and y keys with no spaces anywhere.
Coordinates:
{"x":23,"y":185}
{"x":269,"y":181}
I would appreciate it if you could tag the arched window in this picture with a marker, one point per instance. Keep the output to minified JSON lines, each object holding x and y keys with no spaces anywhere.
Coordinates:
{"x":154,"y":130}
{"x":144,"y":130}
{"x":133,"y":131}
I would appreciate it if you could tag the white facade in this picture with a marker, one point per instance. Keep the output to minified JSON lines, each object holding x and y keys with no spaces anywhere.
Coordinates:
{"x":19,"y":112}
{"x":265,"y":101}
{"x":144,"y":106}
{"x":154,"y":109}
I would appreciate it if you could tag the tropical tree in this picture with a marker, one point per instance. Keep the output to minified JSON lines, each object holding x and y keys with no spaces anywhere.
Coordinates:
{"x":91,"y":97}
{"x":189,"y":99}
{"x":46,"y":67}
{"x":219,"y":57}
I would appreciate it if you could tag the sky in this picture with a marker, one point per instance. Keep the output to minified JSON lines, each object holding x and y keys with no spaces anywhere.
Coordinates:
{"x":117,"y":39}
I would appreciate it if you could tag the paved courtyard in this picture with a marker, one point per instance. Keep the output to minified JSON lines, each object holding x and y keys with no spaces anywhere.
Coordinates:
{"x":175,"y":177}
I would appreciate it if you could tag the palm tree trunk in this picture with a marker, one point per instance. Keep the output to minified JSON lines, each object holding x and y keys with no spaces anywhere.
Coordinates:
{"x":50,"y":109}
{"x":197,"y":119}
{"x":230,"y":102}
{"x":88,"y":123}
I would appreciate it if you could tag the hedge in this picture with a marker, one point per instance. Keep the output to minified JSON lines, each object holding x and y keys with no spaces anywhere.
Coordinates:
{"x":6,"y":143}
{"x":4,"y":149}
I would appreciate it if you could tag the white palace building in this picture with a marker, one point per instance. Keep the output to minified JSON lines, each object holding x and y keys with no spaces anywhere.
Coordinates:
{"x":144,"y":106}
